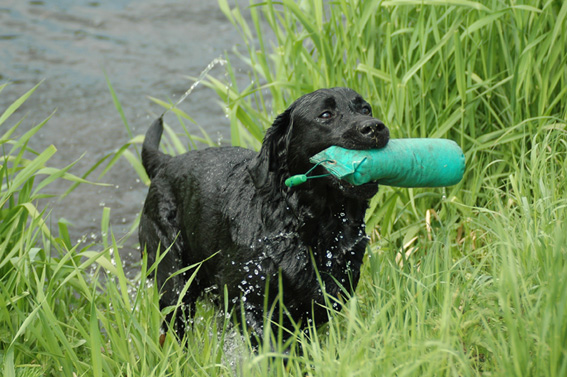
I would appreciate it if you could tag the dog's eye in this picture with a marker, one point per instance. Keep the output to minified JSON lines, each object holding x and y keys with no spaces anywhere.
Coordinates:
{"x":366,"y":111}
{"x":326,"y":115}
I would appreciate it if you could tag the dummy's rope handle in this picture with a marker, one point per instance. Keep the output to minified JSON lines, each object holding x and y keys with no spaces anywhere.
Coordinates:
{"x":296,"y":180}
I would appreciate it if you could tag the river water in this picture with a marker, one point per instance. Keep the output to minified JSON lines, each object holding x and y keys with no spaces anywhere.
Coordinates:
{"x":147,"y":48}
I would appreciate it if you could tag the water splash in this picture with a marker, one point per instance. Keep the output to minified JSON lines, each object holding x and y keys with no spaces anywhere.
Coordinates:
{"x":204,"y":73}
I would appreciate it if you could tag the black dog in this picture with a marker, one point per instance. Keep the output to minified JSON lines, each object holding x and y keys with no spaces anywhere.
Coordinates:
{"x":231,"y":203}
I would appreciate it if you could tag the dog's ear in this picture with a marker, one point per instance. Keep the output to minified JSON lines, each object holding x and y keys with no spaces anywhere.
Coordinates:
{"x":273,"y":154}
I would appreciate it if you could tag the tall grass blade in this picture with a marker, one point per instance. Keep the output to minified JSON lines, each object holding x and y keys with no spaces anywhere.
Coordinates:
{"x":16,"y":105}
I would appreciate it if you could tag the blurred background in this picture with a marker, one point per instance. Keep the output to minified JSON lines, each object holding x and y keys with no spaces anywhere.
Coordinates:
{"x":146,"y":48}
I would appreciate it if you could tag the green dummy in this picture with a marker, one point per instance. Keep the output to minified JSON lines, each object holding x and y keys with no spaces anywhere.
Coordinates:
{"x":401,"y":163}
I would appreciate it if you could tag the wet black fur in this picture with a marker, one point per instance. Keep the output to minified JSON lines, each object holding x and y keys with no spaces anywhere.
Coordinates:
{"x":233,"y":201}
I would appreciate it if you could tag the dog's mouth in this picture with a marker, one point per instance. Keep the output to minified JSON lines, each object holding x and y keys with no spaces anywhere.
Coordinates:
{"x":322,"y":169}
{"x":339,"y":166}
{"x":364,"y":191}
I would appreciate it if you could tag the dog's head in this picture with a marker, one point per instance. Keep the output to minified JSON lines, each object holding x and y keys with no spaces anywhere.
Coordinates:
{"x":314,"y":122}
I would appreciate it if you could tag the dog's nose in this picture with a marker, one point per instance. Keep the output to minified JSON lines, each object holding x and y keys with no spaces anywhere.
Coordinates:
{"x":375,"y":130}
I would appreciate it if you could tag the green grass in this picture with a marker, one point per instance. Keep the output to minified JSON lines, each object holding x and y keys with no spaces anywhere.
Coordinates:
{"x":468,"y":280}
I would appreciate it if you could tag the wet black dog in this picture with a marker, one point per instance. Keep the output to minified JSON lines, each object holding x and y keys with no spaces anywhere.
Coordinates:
{"x":232,"y":203}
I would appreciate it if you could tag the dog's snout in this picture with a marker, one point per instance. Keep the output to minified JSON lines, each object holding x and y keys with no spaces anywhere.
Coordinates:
{"x":374,"y":130}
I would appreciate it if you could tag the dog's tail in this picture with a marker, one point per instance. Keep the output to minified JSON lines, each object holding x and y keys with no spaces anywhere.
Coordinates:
{"x":152,"y":157}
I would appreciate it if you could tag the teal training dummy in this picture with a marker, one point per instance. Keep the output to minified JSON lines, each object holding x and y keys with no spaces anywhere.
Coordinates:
{"x":401,"y":163}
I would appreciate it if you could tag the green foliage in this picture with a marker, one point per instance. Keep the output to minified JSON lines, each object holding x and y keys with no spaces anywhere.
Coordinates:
{"x":488,"y":75}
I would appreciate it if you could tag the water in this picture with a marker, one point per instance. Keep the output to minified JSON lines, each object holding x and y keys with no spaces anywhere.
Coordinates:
{"x":202,"y":76}
{"x":147,"y":48}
